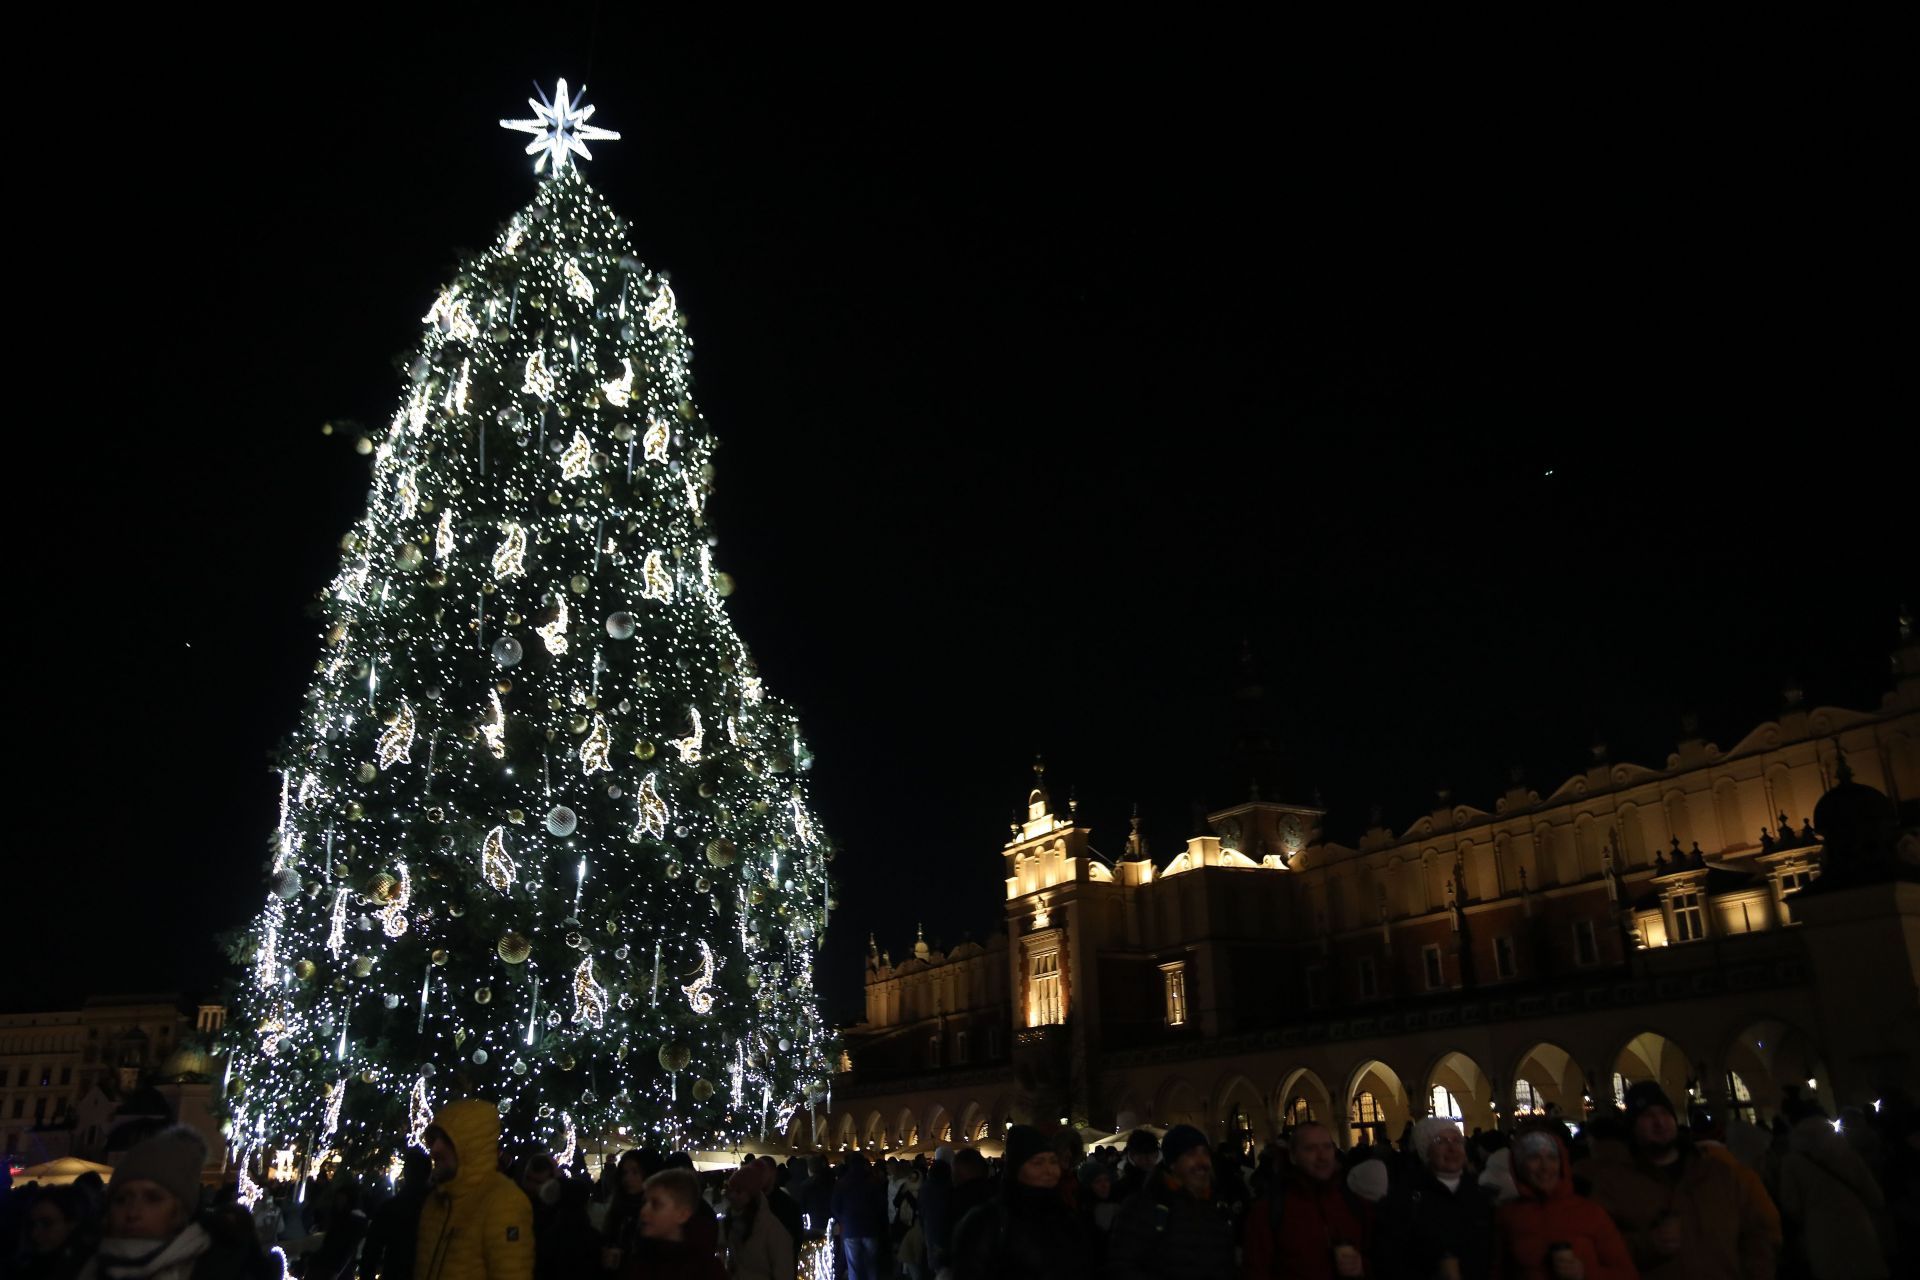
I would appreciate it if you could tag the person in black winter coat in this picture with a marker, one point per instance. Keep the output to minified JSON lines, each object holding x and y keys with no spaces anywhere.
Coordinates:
{"x":1028,"y":1231}
{"x":1439,"y":1211}
{"x":395,"y":1226}
{"x":1174,"y":1228}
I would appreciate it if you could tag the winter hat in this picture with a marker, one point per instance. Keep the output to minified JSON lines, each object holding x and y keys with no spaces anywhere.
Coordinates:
{"x":1091,"y":1171}
{"x":943,"y":1155}
{"x":1644,"y":1095}
{"x":1429,"y":1131}
{"x":1024,"y":1142}
{"x":1369,"y":1180}
{"x":173,"y":1158}
{"x":1141,"y":1142}
{"x":1180,"y":1139}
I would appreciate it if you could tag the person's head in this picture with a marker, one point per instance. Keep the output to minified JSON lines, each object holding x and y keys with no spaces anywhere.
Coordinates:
{"x":1096,"y":1178}
{"x":1185,"y":1157}
{"x":1031,"y":1159}
{"x":743,"y":1188}
{"x":1143,"y":1149}
{"x":416,"y":1168}
{"x":56,"y":1214}
{"x":1650,"y":1121}
{"x":968,"y":1164}
{"x":445,"y":1156}
{"x":156,"y":1186}
{"x":540,"y":1178}
{"x":672,"y":1198}
{"x":1537,"y":1161}
{"x":769,"y":1173}
{"x":1313,"y":1150}
{"x":632,"y":1173}
{"x":1438,"y":1143}
{"x":1368,"y":1180}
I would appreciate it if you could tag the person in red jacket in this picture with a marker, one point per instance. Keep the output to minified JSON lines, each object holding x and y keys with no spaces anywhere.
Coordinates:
{"x":1551,"y":1232}
{"x":1310,"y":1226}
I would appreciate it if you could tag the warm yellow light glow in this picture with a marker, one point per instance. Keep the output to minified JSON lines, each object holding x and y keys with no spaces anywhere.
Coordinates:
{"x":619,"y":392}
{"x":660,"y":310}
{"x":654,"y":442}
{"x":589,"y":997}
{"x":653,"y":811}
{"x":509,"y":558}
{"x":593,"y":752}
{"x":538,"y":381}
{"x":555,"y":632}
{"x":656,"y":583}
{"x":396,"y":744}
{"x":689,"y":746}
{"x":578,"y":457}
{"x":577,"y":283}
{"x":495,"y":731}
{"x":497,"y":868}
{"x":699,"y":997}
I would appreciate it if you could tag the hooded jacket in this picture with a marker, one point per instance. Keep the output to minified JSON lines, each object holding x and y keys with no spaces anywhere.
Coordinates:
{"x":1529,"y":1225}
{"x":1725,"y":1232}
{"x":477,"y":1225}
{"x":1831,"y":1197}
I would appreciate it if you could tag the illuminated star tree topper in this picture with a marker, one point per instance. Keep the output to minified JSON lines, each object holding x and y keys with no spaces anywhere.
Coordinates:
{"x":559,"y":128}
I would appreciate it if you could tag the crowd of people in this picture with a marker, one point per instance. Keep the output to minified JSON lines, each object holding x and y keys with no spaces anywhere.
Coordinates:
{"x":1645,"y":1191}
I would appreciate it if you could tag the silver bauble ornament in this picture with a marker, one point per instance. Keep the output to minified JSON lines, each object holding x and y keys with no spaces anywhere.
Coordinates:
{"x":561,"y":820}
{"x":620,"y":625}
{"x":507,"y":651}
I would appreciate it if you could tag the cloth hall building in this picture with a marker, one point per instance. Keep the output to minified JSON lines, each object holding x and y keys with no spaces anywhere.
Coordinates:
{"x":1713,"y":922}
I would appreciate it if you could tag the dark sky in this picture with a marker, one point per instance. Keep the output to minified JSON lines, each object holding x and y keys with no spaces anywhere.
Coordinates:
{"x":1493,"y":409}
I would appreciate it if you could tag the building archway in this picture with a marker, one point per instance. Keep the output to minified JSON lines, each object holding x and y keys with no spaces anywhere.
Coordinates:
{"x":973,"y":1123}
{"x":1302,"y":1097}
{"x":1129,"y":1115}
{"x":1459,"y":1089}
{"x":1377,"y":1104}
{"x":1240,"y":1114}
{"x":1178,"y":1102}
{"x":937,"y":1127}
{"x":800,"y":1131}
{"x":873,"y":1135}
{"x":1650,"y":1056}
{"x":906,"y":1130}
{"x":1767,"y":1059}
{"x":1547,"y":1080}
{"x":843,"y":1132}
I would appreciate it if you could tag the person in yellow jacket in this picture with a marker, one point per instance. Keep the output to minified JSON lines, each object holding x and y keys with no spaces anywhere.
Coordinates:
{"x":476,"y":1224}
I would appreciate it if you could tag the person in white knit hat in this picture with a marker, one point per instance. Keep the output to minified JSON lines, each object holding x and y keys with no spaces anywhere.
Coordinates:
{"x":1438,"y":1221}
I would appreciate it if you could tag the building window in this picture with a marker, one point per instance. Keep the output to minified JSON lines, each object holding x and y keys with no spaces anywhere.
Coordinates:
{"x":959,"y":1047}
{"x":1586,"y":950}
{"x":1689,"y":921}
{"x":1299,"y":1111}
{"x":1365,"y":1116}
{"x":1175,"y":980}
{"x":1442,"y":1103}
{"x":933,"y":1051}
{"x":1527,"y":1100}
{"x":1620,"y":1084}
{"x":1436,"y":971}
{"x":1369,"y":979}
{"x":1043,"y":990}
{"x":1504,"y":965}
{"x":1316,"y":986}
{"x":21,"y":1080}
{"x":1742,"y":1097}
{"x":1794,"y":881}
{"x":46,"y":1076}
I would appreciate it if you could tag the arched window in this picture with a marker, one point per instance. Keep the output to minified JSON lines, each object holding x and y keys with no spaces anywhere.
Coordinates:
{"x":1620,"y":1084}
{"x":1527,"y":1100}
{"x":1299,"y":1111}
{"x":1365,"y":1115}
{"x":1742,"y":1098}
{"x":1443,"y":1103}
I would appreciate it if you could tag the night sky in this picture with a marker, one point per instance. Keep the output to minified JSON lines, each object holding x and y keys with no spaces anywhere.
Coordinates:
{"x":1490,"y":411}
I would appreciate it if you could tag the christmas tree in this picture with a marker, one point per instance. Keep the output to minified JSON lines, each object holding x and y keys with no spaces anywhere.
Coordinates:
{"x":542,"y":837}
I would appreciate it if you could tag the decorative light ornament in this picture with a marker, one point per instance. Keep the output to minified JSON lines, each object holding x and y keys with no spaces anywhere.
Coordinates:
{"x":589,"y":997}
{"x":559,"y":128}
{"x":393,"y":919}
{"x":689,"y":746}
{"x":497,"y":868}
{"x":593,"y":752}
{"x":337,"y":925}
{"x":457,"y":393}
{"x":248,"y":1192}
{"x":564,"y":1158}
{"x":495,"y":731}
{"x":656,"y":583}
{"x":578,"y":457}
{"x":619,"y":392}
{"x":660,"y":310}
{"x":654,"y":442}
{"x":577,"y":283}
{"x":440,"y":314}
{"x":407,"y":491}
{"x":538,"y":381}
{"x":330,"y":1121}
{"x":699,"y":997}
{"x":443,"y":535}
{"x":555,"y":633}
{"x":509,"y":558}
{"x":419,"y":1113}
{"x":396,"y":744}
{"x":653,"y":811}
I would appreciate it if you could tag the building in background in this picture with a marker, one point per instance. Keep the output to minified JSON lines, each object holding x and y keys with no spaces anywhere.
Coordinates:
{"x":1636,"y":922}
{"x":91,"y":1081}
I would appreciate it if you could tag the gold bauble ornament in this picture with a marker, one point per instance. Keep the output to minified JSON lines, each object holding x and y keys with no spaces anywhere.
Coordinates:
{"x":578,"y":723}
{"x":672,"y":870}
{"x":439,"y":956}
{"x":437,"y":579}
{"x":554,"y":498}
{"x":723,"y":583}
{"x":753,"y":980}
{"x":516,"y":816}
{"x":313,"y":1053}
{"x":644,"y":749}
{"x":756,"y":896}
{"x":564,"y":1061}
{"x":336,"y":633}
{"x":579,"y":584}
{"x":514,"y":948}
{"x":514,"y":619}
{"x":381,"y":888}
{"x":483,"y":996}
{"x":355,"y":811}
{"x":591,"y":702}
{"x":675,"y":1055}
{"x":362,"y":966}
{"x":303,"y":970}
{"x":701,"y":884}
{"x":367,"y":771}
{"x":702,"y":1090}
{"x":721,"y":852}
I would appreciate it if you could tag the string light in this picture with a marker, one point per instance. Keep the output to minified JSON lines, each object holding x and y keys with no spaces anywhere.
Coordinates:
{"x":419,"y":1113}
{"x":443,"y":536}
{"x":457,"y":393}
{"x":653,"y":811}
{"x":538,"y":381}
{"x":494,"y":731}
{"x":655,"y":582}
{"x":654,"y":443}
{"x":509,"y":558}
{"x":660,"y":310}
{"x":689,"y":746}
{"x":555,"y":633}
{"x":577,"y":283}
{"x":699,"y":996}
{"x":337,"y":927}
{"x":497,"y":868}
{"x":589,"y":997}
{"x":575,"y":462}
{"x":594,"y":751}
{"x":393,"y":919}
{"x":396,"y":744}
